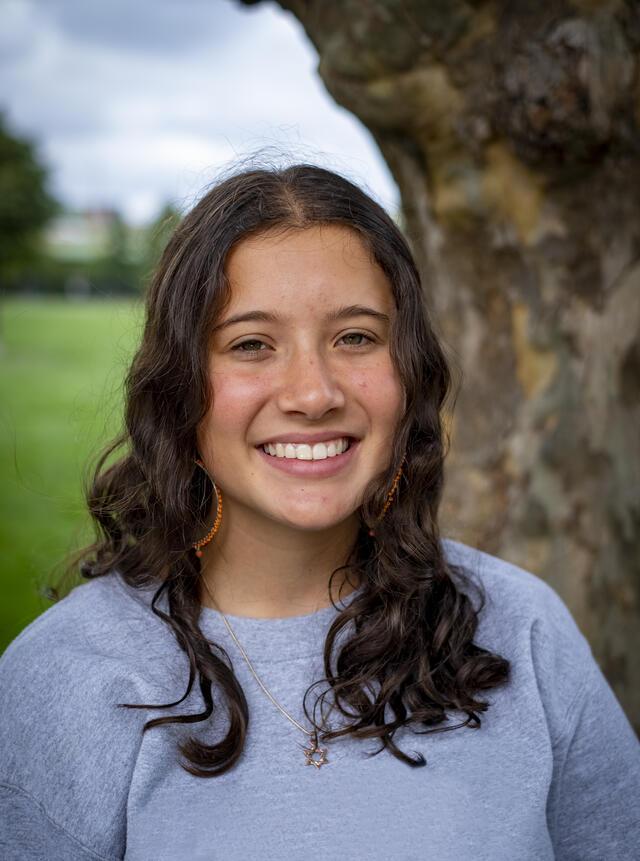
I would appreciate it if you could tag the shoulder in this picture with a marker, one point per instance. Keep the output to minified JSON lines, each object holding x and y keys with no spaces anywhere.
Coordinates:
{"x":63,"y":736}
{"x":101,"y":641}
{"x":88,"y":642}
{"x":526,"y":621}
{"x":98,"y":625}
{"x":515,"y":598}
{"x":496,"y":574}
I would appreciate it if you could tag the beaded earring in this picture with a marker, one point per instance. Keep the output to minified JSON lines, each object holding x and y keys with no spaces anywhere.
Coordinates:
{"x":389,"y":498}
{"x":207,"y":538}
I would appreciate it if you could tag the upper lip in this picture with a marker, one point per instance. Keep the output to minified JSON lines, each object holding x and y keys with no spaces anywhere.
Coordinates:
{"x":309,"y":438}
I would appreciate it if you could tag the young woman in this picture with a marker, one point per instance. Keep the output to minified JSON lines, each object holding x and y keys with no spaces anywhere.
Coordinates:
{"x":276,"y":655}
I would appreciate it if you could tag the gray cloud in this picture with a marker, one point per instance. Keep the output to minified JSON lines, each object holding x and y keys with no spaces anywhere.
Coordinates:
{"x":126,"y":120}
{"x":166,"y":27}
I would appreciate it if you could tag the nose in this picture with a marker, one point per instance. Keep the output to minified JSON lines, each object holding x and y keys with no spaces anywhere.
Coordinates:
{"x":309,"y":385}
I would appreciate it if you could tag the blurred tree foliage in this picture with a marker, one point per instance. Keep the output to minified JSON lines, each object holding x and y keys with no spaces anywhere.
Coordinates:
{"x":156,"y":237}
{"x":25,"y":203}
{"x":27,"y":263}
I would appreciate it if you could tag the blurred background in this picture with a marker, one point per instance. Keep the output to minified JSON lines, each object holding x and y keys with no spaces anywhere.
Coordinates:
{"x":504,"y":138}
{"x":113,"y":119}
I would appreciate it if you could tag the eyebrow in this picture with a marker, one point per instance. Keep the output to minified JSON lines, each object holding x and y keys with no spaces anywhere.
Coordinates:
{"x":341,"y":313}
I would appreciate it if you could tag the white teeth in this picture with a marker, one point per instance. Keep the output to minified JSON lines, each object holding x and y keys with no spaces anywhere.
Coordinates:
{"x":319,"y":451}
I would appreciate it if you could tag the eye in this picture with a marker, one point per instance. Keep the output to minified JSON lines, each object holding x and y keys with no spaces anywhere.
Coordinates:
{"x":244,"y":343}
{"x":358,"y":335}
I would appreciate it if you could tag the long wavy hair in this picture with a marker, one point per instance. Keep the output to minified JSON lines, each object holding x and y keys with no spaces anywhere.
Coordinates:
{"x":411,"y":648}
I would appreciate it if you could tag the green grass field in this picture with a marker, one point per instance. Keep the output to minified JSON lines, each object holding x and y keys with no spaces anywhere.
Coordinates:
{"x":62,"y":364}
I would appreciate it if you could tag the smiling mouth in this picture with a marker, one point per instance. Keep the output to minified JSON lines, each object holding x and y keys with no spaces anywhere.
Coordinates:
{"x":308,"y":452}
{"x":309,"y":467}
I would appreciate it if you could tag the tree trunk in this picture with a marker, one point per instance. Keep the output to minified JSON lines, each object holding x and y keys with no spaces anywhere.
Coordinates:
{"x":512,"y":132}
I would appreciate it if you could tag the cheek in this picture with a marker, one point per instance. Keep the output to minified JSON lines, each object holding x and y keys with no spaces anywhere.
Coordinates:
{"x":381,"y":391}
{"x":235,"y":402}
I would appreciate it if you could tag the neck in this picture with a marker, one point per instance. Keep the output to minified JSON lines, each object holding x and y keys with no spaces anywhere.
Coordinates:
{"x":267,"y":570}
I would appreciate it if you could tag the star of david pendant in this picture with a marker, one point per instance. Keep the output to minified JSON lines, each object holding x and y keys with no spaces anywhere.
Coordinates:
{"x":314,"y":748}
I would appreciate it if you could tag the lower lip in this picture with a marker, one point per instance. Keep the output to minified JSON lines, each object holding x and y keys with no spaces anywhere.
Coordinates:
{"x":312,"y":468}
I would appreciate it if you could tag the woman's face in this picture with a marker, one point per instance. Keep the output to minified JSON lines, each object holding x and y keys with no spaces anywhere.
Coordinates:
{"x":305,"y":367}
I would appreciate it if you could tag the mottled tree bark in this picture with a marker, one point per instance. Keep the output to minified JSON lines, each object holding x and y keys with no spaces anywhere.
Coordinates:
{"x":512,"y":130}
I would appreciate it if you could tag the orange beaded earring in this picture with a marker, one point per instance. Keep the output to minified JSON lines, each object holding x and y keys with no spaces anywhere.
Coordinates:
{"x":389,"y":495}
{"x":207,"y":538}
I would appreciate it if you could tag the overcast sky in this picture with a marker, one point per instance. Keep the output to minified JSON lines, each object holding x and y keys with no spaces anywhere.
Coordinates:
{"x":136,"y":102}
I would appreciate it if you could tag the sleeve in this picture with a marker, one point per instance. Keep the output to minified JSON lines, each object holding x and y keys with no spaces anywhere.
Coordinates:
{"x":67,"y":752}
{"x":594,"y":802}
{"x":593,"y":806}
{"x":27,"y":834}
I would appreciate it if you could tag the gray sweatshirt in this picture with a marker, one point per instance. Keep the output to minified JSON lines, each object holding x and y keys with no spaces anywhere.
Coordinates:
{"x":553,"y":772}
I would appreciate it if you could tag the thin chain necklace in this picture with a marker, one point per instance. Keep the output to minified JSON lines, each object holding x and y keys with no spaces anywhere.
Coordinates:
{"x":313,"y":748}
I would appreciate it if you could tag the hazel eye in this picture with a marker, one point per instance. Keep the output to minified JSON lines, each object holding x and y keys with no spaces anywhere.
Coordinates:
{"x":358,"y":335}
{"x":244,"y":343}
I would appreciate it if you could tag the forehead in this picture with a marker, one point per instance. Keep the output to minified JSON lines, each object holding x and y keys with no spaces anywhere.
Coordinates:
{"x":313,"y":263}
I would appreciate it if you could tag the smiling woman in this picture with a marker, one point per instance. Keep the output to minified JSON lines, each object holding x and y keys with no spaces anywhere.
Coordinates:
{"x":271,"y":527}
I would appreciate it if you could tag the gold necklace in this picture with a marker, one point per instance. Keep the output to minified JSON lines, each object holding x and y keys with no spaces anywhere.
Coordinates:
{"x":313,"y":748}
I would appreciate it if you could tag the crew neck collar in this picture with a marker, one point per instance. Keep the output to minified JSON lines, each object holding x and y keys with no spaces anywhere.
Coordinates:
{"x":266,"y":640}
{"x":272,"y":640}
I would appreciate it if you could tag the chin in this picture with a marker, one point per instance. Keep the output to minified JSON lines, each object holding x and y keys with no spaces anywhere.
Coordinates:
{"x":319,"y":523}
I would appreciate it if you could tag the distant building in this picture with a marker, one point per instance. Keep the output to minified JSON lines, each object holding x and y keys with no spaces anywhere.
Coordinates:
{"x":81,"y":237}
